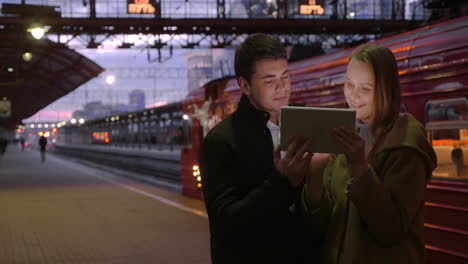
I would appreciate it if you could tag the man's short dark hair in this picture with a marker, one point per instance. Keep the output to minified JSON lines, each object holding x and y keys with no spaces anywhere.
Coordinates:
{"x":256,"y":47}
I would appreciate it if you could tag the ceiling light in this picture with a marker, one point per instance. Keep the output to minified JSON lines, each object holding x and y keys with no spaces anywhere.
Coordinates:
{"x":27,"y":56}
{"x":37,"y":32}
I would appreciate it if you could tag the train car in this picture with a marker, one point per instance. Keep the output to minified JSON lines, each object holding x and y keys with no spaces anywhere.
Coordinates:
{"x":433,"y":70}
{"x":163,"y":127}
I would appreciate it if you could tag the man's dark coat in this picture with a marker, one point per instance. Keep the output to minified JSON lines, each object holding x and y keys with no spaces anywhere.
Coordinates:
{"x":250,"y":205}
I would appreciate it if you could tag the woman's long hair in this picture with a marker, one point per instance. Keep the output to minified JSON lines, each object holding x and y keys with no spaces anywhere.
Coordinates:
{"x":387,"y":95}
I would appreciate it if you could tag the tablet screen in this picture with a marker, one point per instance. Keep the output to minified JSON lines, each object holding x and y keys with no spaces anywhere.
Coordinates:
{"x":316,"y":123}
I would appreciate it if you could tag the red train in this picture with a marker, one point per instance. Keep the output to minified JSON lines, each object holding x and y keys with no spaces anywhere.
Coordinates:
{"x":433,"y":68}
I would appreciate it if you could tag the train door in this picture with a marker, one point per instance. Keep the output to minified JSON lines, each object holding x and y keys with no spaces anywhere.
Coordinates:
{"x":186,"y":131}
{"x":447,"y":125}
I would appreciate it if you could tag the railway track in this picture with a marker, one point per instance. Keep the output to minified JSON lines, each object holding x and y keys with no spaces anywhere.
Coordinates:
{"x":159,"y":165}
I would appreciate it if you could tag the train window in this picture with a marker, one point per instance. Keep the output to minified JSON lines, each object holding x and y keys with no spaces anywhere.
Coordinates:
{"x":429,"y":60}
{"x":333,"y":79}
{"x":446,"y":110}
{"x":185,"y":131}
{"x":447,"y":125}
{"x":456,"y":54}
{"x":175,"y":122}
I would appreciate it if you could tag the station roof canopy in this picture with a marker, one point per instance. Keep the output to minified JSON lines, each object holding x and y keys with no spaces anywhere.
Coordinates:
{"x":35,"y":73}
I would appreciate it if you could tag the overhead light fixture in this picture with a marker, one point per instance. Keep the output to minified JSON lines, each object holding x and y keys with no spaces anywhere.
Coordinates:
{"x":10,"y":69}
{"x":27,"y":56}
{"x":37,"y":32}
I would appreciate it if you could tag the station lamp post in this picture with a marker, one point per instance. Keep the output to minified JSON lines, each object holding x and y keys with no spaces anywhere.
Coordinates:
{"x":110,"y":80}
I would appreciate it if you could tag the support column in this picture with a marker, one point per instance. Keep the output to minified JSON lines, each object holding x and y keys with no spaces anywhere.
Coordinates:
{"x":221,"y":8}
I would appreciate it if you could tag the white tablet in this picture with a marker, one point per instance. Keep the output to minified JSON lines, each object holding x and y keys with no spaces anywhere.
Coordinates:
{"x":316,"y":123}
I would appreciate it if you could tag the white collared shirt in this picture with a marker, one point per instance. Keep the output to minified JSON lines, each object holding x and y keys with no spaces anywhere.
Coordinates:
{"x":275,"y":133}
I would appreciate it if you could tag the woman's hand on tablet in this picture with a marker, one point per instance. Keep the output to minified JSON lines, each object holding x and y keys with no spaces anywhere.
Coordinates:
{"x":354,"y":149}
{"x":295,"y":164}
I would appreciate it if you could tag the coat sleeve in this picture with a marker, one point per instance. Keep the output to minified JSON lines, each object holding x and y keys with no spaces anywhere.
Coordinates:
{"x":388,"y":207}
{"x":317,"y":216}
{"x":231,"y":211}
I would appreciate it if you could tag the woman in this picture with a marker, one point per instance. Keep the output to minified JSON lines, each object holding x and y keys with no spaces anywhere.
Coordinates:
{"x":368,"y":202}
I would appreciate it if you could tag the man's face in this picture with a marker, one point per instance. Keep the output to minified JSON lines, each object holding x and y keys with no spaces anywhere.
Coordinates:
{"x":270,"y":86}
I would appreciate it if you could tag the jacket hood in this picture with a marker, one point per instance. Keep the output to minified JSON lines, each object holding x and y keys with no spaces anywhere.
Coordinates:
{"x":407,"y":132}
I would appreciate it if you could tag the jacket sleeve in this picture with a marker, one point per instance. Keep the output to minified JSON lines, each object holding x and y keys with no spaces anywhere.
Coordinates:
{"x":388,"y":207}
{"x":317,"y":216}
{"x":231,"y":211}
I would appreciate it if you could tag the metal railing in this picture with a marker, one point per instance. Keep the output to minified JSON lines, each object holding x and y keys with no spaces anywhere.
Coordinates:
{"x":259,"y":9}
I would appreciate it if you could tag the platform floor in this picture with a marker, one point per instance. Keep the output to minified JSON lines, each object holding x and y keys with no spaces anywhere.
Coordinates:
{"x":60,"y":211}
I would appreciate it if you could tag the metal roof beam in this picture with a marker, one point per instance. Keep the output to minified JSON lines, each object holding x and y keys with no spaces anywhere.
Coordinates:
{"x":113,"y":26}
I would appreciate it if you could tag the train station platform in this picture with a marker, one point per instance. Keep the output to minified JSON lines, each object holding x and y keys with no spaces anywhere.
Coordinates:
{"x":61,"y":211}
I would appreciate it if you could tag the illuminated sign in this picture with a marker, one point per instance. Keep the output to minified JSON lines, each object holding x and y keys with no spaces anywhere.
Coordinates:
{"x":5,"y":108}
{"x":141,"y":7}
{"x":311,"y":7}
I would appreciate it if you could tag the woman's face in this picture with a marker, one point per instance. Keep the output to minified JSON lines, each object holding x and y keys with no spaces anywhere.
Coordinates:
{"x":359,"y":89}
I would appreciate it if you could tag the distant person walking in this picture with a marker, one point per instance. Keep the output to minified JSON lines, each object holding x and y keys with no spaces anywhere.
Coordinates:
{"x":43,"y":145}
{"x":22,"y":143}
{"x":3,"y":145}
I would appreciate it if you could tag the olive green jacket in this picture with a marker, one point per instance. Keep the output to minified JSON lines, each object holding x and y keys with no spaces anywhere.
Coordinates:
{"x":379,"y":218}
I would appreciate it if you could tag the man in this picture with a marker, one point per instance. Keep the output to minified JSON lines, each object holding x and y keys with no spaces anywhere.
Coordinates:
{"x":249,"y":190}
{"x":22,"y":142}
{"x":3,"y":145}
{"x":43,"y":146}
